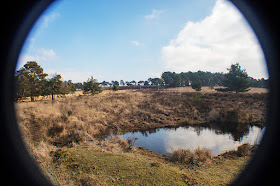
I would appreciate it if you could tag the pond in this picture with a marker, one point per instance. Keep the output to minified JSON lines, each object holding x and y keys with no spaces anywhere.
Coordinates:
{"x":164,"y":140}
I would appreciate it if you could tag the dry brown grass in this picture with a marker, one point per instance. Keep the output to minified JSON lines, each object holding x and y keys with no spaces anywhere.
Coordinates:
{"x":242,"y":151}
{"x":79,"y":119}
{"x":76,"y":121}
{"x":206,"y":90}
{"x":191,"y":157}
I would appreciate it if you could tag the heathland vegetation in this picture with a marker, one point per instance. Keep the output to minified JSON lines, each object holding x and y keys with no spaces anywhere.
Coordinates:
{"x":65,"y":135}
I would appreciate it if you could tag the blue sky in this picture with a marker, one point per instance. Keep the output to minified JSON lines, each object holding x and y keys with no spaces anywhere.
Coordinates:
{"x":138,"y":39}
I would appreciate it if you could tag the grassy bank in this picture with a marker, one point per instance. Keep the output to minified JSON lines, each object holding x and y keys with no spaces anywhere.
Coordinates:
{"x":88,"y":167}
{"x":62,"y":135}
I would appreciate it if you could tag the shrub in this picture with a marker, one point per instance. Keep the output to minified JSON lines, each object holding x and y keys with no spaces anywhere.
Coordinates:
{"x":197,"y":99}
{"x":197,"y":85}
{"x":232,"y":116}
{"x":222,"y":89}
{"x":91,"y":86}
{"x":213,"y":115}
{"x":55,"y":130}
{"x":69,"y":139}
{"x":116,"y":87}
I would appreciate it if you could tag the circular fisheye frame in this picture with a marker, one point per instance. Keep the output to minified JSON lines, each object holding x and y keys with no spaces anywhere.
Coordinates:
{"x":19,"y":168}
{"x":261,"y":16}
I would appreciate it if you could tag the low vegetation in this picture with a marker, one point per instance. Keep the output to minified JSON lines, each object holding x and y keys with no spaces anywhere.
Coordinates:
{"x":64,"y":136}
{"x":86,"y":166}
{"x":191,"y":157}
{"x":81,"y":118}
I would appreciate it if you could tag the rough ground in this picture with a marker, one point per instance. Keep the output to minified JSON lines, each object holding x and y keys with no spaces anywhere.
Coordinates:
{"x":62,"y":135}
{"x":88,"y":167}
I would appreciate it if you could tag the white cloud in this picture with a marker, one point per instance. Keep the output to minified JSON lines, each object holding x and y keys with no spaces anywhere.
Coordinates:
{"x":78,"y":76}
{"x":40,"y":55}
{"x":208,"y":139}
{"x":154,"y":15}
{"x":156,"y":74}
{"x":136,"y":43}
{"x":213,"y":44}
{"x":71,"y":74}
{"x":45,"y":54}
{"x":47,"y":19}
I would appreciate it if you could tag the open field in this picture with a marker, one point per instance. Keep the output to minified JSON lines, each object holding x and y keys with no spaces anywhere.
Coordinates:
{"x":85,"y":116}
{"x":204,"y":90}
{"x":63,"y":135}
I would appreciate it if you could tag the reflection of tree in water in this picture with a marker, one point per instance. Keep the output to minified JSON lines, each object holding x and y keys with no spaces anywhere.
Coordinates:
{"x":198,"y":129}
{"x":146,"y":133}
{"x":237,"y":130}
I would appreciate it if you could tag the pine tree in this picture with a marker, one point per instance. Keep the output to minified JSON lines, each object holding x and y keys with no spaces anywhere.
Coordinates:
{"x":91,"y":86}
{"x":55,"y":85}
{"x":30,"y":79}
{"x":236,"y":80}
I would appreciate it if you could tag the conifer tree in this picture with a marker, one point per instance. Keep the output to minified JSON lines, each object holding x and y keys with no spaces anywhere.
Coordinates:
{"x":236,"y":80}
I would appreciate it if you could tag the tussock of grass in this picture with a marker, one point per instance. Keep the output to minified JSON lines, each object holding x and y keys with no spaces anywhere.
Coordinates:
{"x":116,"y":145}
{"x":191,"y":157}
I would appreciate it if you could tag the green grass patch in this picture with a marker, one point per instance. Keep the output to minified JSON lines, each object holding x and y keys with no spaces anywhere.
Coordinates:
{"x":88,"y":167}
{"x":81,"y":166}
{"x":220,"y":172}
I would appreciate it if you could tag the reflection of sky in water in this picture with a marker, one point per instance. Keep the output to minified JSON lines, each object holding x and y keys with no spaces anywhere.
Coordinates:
{"x":164,"y":140}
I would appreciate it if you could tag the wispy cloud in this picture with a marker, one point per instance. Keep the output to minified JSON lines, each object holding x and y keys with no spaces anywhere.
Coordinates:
{"x":40,"y":55}
{"x":154,"y":15}
{"x":75,"y":76}
{"x":136,"y":43}
{"x":156,"y":74}
{"x":47,"y":19}
{"x":45,"y":54}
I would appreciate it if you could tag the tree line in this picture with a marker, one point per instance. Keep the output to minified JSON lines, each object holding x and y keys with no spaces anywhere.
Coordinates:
{"x":172,"y":79}
{"x":235,"y":77}
{"x":31,"y":81}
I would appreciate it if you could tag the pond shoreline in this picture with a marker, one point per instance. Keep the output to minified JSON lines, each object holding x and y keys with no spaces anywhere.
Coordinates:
{"x":217,"y":126}
{"x":163,"y":140}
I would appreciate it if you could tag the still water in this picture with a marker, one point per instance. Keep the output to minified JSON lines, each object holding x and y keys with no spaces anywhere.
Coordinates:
{"x":165,"y":140}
